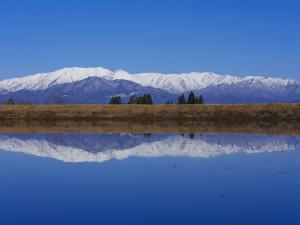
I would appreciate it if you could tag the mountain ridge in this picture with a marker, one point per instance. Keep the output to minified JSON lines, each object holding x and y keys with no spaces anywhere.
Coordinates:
{"x":79,"y":73}
{"x":214,"y":87}
{"x":92,"y":90}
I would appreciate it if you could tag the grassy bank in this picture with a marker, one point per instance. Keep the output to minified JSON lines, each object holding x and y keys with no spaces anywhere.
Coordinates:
{"x":225,"y":113}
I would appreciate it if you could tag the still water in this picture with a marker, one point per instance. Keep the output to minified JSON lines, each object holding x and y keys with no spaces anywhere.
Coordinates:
{"x":149,"y":179}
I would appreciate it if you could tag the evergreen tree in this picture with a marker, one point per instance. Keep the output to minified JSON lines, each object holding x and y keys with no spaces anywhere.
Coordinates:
{"x":150,"y":101}
{"x":191,"y":98}
{"x":10,"y":101}
{"x":181,"y":99}
{"x":147,"y":99}
{"x":200,"y":101}
{"x":132,"y":99}
{"x":115,"y":100}
{"x":139,"y":100}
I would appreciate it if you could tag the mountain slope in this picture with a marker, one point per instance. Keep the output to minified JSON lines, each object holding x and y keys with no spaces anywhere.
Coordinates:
{"x":251,"y":91}
{"x":215,"y":88}
{"x":43,"y":81}
{"x":92,"y":90}
{"x":179,"y":83}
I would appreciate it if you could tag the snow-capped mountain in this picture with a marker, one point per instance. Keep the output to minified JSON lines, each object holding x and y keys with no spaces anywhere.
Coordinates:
{"x":104,"y":147}
{"x":42,"y":81}
{"x":92,"y":90}
{"x":179,"y":83}
{"x":214,"y":87}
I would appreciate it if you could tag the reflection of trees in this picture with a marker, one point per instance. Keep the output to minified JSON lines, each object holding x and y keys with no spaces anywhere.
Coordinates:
{"x":147,"y":135}
{"x":191,"y":135}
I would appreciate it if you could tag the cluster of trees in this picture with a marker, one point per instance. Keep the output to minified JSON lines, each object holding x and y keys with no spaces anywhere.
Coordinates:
{"x":192,"y":99}
{"x":10,"y":101}
{"x":146,"y":99}
{"x":115,"y":100}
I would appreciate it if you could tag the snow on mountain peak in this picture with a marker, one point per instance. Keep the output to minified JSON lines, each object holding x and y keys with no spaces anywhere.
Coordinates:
{"x":42,"y":81}
{"x":174,"y":83}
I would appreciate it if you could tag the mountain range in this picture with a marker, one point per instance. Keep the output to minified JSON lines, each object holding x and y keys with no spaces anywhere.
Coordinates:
{"x":97,"y":85}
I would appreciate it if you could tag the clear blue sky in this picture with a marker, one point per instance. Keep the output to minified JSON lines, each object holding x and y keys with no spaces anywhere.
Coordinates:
{"x":245,"y":37}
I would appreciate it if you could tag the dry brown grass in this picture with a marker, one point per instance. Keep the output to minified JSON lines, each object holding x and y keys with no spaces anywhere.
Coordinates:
{"x":260,"y":118}
{"x":239,"y":112}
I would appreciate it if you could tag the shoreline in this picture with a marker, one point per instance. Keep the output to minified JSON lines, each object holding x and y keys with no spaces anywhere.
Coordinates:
{"x":151,"y":127}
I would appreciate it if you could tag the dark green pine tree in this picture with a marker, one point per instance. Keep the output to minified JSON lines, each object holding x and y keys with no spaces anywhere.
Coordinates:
{"x":10,"y":101}
{"x":115,"y":100}
{"x":147,"y":99}
{"x":192,"y":98}
{"x":150,"y":101}
{"x":139,"y":100}
{"x":200,"y":99}
{"x":181,"y":99}
{"x":132,"y":99}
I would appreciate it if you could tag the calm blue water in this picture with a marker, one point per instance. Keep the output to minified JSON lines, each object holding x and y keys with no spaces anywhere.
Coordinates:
{"x":149,"y":179}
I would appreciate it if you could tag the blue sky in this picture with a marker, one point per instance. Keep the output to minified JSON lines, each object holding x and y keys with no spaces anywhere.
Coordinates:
{"x":228,"y":37}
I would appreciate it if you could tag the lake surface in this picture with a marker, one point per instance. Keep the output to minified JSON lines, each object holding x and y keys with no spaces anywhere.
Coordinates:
{"x":149,"y":179}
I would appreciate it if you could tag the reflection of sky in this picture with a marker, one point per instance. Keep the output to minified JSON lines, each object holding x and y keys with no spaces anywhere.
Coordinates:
{"x":103,"y":147}
{"x":229,"y":189}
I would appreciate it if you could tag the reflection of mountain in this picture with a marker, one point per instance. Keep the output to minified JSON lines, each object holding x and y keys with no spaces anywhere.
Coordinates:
{"x":85,"y":142}
{"x":103,"y":147}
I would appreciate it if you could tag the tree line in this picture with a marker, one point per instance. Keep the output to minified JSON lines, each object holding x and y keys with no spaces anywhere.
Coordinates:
{"x":146,"y":99}
{"x":192,"y":99}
